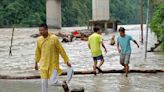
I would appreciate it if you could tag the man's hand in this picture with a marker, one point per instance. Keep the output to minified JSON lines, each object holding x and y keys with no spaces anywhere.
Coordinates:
{"x":138,"y":46}
{"x":119,"y":50}
{"x":106,"y":50}
{"x":136,"y":43}
{"x":104,"y":47}
{"x":36,"y":66}
{"x":68,"y":64}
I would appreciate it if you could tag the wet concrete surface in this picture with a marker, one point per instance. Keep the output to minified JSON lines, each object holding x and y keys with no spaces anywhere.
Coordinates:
{"x":100,"y":83}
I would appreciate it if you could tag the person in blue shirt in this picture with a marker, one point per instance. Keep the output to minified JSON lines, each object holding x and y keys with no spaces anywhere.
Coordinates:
{"x":124,"y":48}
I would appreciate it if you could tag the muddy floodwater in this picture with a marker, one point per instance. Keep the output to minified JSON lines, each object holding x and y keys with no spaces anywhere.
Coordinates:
{"x":80,"y":57}
{"x":101,"y":83}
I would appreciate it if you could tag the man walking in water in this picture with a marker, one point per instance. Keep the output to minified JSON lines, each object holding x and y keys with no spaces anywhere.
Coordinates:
{"x":94,"y":43}
{"x":123,"y":42}
{"x":47,"y":55}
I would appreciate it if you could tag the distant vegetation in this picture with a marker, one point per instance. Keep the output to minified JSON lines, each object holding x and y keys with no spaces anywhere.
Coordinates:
{"x":157,"y":23}
{"x":22,"y":12}
{"x":27,"y":13}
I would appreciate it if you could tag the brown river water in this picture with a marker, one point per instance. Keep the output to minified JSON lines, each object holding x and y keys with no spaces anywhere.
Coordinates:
{"x":80,"y":57}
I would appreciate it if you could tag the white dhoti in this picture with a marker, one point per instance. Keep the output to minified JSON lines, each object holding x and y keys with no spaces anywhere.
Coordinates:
{"x":54,"y":80}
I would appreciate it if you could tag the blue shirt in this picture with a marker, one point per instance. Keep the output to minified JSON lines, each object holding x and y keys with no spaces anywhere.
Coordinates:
{"x":124,"y":43}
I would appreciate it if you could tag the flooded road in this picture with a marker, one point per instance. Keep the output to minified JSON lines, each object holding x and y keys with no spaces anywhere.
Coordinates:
{"x":80,"y":57}
{"x":101,"y":83}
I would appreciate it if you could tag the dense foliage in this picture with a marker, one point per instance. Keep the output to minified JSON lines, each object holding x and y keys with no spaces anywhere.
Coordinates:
{"x":21,"y":12}
{"x":157,"y":23}
{"x":74,"y":12}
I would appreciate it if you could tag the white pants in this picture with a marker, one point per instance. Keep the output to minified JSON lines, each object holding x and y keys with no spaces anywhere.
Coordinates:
{"x":52,"y":81}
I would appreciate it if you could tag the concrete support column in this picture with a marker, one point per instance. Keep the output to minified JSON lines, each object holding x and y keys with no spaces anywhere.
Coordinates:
{"x":100,"y":10}
{"x":105,"y":25}
{"x":115,"y":26}
{"x":53,"y":13}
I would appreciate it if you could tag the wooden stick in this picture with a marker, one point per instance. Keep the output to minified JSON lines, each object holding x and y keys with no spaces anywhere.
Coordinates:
{"x":10,"y":52}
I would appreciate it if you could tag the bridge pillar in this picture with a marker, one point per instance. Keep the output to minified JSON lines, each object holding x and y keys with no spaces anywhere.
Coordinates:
{"x":53,"y":13}
{"x":100,"y":10}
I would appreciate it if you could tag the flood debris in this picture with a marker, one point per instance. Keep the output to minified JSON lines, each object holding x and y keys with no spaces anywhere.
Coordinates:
{"x":35,"y":35}
{"x":77,"y":89}
{"x":70,"y":36}
{"x":112,"y":40}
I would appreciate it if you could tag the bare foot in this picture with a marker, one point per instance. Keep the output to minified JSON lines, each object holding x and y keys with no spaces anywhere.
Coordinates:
{"x":65,"y":86}
{"x":94,"y":72}
{"x":99,"y":69}
{"x":126,"y":75}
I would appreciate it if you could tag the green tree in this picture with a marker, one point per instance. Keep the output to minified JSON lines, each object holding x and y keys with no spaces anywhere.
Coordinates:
{"x":74,"y":12}
{"x":22,"y":12}
{"x":157,"y":23}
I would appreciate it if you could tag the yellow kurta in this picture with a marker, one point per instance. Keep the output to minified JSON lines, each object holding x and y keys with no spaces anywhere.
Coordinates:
{"x":47,"y":55}
{"x":94,"y":41}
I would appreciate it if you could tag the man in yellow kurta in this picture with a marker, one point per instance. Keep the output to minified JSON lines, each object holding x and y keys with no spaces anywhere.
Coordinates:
{"x":47,"y":55}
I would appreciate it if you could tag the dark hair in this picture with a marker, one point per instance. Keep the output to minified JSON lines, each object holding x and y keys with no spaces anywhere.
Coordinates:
{"x":122,"y":29}
{"x":44,"y":25}
{"x":96,"y":29}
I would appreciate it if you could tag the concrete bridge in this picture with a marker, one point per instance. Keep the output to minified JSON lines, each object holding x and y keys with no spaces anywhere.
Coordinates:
{"x":100,"y":11}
